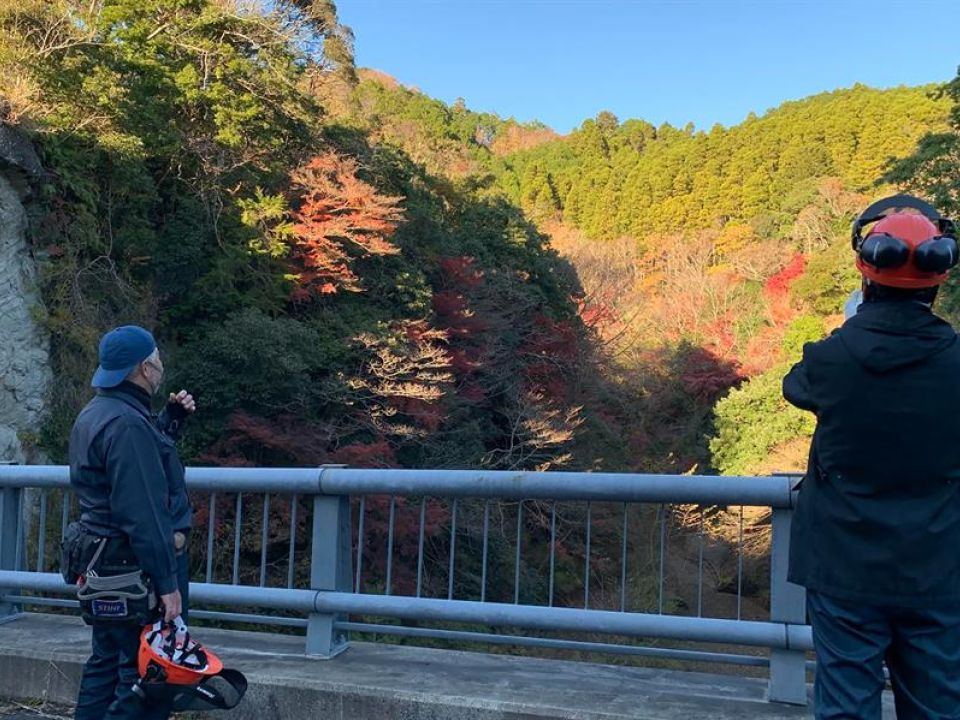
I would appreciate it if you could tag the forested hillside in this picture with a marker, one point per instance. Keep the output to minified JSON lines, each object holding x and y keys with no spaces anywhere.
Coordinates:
{"x":345,"y":269}
{"x":707,"y":258}
{"x":325,"y":295}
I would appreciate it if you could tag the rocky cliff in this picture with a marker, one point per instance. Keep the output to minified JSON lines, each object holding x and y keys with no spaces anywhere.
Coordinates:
{"x":24,"y":347}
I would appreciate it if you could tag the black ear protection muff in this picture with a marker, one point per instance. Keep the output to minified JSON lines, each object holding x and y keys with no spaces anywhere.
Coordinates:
{"x":884,"y":251}
{"x":936,"y":255}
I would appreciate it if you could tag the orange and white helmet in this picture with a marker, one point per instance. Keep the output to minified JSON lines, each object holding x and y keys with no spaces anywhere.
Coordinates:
{"x":172,"y":665}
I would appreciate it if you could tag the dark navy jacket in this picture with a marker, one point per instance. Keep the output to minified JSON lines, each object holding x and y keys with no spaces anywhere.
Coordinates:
{"x":878,"y":517}
{"x":126,"y":473}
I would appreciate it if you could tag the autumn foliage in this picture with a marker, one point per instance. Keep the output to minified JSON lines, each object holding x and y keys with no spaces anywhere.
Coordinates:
{"x":338,"y":218}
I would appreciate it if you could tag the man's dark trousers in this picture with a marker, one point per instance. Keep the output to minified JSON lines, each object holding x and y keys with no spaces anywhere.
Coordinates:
{"x":921,"y":648}
{"x":110,"y":672}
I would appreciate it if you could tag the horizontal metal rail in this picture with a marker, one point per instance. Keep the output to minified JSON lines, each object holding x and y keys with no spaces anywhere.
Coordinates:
{"x":216,"y":479}
{"x":691,"y":489}
{"x":556,"y":644}
{"x":740,"y":632}
{"x":258,"y":619}
{"x":712,"y":630}
{"x":776,"y":492}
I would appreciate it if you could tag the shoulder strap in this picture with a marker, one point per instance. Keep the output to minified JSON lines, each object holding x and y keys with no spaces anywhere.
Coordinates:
{"x":101,"y":544}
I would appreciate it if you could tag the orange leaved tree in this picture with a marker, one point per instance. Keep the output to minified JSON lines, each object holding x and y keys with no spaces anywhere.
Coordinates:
{"x":338,"y":218}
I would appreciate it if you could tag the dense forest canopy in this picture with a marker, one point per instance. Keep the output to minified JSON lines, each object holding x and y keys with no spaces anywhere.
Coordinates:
{"x":345,"y":269}
{"x":706,"y":259}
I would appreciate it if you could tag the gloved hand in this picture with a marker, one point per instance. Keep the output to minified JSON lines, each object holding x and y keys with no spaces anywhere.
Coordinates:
{"x":180,"y":404}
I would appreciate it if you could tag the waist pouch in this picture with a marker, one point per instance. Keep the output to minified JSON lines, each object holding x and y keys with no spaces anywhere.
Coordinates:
{"x":111,"y":587}
{"x":116,"y":599}
{"x":71,"y":550}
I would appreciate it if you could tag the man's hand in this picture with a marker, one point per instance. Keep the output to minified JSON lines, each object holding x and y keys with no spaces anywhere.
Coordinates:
{"x":172,"y":605}
{"x":184,"y":400}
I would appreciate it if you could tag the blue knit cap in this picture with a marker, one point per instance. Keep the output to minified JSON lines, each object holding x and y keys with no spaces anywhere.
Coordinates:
{"x":121,"y":350}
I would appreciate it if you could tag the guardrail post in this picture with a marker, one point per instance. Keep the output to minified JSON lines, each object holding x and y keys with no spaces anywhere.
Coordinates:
{"x":788,"y":671}
{"x":331,"y":568}
{"x":10,"y":543}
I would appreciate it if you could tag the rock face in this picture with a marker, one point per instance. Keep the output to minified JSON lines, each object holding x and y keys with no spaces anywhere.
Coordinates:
{"x":24,"y":347}
{"x":18,"y":158}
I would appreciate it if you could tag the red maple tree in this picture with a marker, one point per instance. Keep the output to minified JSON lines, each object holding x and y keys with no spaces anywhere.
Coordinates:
{"x":338,"y":217}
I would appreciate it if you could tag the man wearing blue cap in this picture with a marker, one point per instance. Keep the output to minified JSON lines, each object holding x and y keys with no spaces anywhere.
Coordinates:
{"x":130,"y":483}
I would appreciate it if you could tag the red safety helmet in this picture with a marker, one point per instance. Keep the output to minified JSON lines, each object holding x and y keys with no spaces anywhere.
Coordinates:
{"x":174,"y":666}
{"x":905,"y":249}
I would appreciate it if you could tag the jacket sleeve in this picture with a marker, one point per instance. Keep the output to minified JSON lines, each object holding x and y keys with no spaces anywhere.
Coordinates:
{"x":798,"y":389}
{"x":138,"y":499}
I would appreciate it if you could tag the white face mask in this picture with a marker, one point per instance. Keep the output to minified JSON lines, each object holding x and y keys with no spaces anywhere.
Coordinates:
{"x":853,"y":304}
{"x":155,"y":387}
{"x":156,"y":371}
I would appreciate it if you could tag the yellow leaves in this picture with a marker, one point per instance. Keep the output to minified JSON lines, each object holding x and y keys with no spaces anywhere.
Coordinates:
{"x":21,"y":97}
{"x":733,"y":237}
{"x":720,"y":269}
{"x":650,"y":280}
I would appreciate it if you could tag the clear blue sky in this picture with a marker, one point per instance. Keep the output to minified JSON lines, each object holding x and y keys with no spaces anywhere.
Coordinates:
{"x":561,"y":61}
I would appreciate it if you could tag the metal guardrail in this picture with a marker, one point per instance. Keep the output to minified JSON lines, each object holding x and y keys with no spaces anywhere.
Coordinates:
{"x":461,"y":571}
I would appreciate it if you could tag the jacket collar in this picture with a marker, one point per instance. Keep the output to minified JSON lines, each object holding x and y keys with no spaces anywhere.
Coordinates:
{"x":132,"y":394}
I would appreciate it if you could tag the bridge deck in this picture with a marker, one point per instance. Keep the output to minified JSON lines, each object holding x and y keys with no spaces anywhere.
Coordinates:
{"x":41,"y":656}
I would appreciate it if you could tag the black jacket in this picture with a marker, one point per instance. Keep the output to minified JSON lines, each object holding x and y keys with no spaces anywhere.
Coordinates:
{"x":129,"y":479}
{"x":878,"y":517}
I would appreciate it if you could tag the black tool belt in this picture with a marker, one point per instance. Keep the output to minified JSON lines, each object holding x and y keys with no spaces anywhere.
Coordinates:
{"x":111,"y":586}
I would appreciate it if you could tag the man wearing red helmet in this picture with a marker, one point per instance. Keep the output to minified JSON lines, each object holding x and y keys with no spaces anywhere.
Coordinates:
{"x":876,"y":531}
